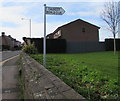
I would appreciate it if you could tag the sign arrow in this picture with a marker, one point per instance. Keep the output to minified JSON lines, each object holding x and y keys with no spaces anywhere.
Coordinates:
{"x":50,"y":11}
{"x":55,"y":11}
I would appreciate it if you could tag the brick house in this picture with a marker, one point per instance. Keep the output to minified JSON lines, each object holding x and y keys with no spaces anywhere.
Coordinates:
{"x":77,"y":31}
{"x":81,"y":36}
{"x":8,"y":43}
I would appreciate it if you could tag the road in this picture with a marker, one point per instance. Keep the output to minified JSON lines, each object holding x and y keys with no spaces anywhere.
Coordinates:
{"x":9,"y":54}
{"x":10,"y":74}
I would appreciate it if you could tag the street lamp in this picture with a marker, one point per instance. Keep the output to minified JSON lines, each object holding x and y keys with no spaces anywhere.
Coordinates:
{"x":30,"y":24}
{"x":119,"y":19}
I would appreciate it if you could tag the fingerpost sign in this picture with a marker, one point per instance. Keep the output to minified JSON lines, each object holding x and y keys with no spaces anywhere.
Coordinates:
{"x":49,"y":11}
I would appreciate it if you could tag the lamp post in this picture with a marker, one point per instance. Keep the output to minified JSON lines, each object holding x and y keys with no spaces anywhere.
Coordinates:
{"x":29,"y":24}
{"x":119,"y":20}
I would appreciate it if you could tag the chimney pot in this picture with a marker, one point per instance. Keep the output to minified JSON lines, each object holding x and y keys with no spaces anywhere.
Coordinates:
{"x":3,"y":33}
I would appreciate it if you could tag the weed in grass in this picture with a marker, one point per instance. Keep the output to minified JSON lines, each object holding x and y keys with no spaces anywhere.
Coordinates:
{"x":20,"y":78}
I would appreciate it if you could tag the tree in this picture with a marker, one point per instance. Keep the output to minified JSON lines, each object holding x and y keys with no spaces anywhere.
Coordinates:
{"x":111,"y":15}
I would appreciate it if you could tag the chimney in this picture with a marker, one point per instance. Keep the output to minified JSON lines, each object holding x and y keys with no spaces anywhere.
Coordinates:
{"x":9,"y":36}
{"x":3,"y":33}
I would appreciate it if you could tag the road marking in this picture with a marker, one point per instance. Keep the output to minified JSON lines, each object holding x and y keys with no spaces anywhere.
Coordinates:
{"x":8,"y":59}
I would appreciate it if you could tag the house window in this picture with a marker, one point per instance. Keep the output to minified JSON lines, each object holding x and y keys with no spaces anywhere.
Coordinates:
{"x":83,"y":29}
{"x":57,"y":35}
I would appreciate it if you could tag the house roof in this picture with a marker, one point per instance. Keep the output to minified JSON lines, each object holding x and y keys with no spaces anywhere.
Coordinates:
{"x":74,"y":22}
{"x":49,"y":34}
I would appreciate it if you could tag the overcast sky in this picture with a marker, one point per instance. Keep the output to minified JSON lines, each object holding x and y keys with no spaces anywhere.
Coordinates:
{"x":11,"y":12}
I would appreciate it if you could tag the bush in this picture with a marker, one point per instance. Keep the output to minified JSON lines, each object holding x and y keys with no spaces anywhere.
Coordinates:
{"x":30,"y":49}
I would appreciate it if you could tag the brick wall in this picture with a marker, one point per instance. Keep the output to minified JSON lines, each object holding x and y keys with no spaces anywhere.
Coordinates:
{"x":80,"y":32}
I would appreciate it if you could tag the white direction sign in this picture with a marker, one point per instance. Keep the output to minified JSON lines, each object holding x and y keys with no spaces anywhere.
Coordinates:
{"x":50,"y":11}
{"x":55,"y":10}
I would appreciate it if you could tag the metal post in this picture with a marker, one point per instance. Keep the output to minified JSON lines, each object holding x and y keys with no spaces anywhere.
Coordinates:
{"x":30,"y":27}
{"x":119,"y":19}
{"x":44,"y":43}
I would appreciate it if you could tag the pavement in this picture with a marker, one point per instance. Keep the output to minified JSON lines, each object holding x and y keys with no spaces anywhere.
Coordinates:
{"x":39,"y":82}
{"x":43,"y":84}
{"x":10,"y":87}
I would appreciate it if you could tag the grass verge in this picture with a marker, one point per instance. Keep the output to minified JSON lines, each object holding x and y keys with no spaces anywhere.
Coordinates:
{"x":21,"y":80}
{"x":93,"y":75}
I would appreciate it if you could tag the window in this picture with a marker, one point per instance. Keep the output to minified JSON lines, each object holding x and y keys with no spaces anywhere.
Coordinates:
{"x":58,"y":34}
{"x":83,"y":29}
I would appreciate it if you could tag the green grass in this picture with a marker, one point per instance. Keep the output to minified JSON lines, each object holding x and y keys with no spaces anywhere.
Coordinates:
{"x":86,"y":72}
{"x":105,"y":62}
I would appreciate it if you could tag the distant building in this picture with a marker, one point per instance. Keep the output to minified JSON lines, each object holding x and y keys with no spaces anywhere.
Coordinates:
{"x":8,"y":43}
{"x":5,"y":40}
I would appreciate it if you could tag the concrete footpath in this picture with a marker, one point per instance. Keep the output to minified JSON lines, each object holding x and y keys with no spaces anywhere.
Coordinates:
{"x":42,"y":84}
{"x":10,"y":86}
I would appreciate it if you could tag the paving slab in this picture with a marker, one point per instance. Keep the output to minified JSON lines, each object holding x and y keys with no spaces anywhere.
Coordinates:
{"x":43,"y":84}
{"x":10,"y":86}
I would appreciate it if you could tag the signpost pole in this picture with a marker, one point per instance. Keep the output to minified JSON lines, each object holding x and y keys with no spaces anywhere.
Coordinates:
{"x":44,"y":43}
{"x":50,"y":11}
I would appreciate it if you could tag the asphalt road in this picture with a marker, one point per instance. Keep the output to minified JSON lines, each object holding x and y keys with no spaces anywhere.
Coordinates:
{"x":9,"y":54}
{"x":10,"y":86}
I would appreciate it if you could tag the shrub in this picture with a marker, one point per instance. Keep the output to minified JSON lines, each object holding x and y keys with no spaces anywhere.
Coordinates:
{"x":30,"y":49}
